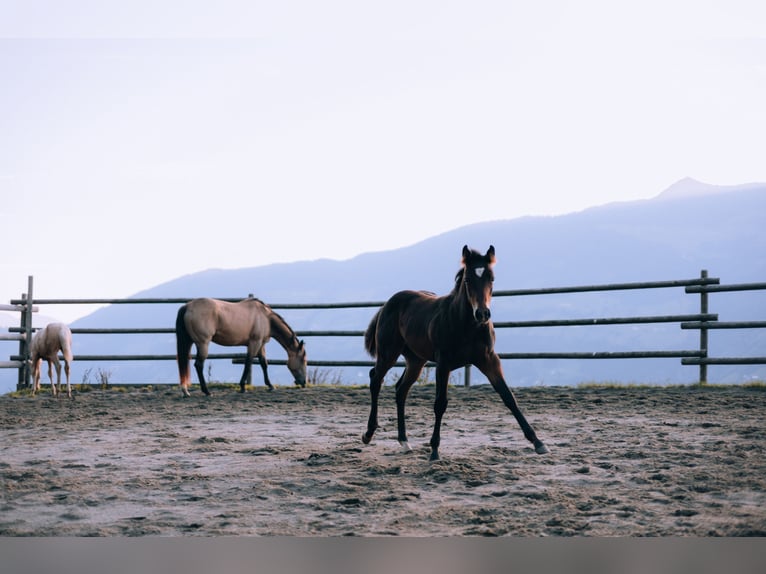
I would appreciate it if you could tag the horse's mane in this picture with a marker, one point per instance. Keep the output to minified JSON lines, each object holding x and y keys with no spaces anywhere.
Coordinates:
{"x":287,"y":326}
{"x":458,"y":279}
{"x":281,"y":319}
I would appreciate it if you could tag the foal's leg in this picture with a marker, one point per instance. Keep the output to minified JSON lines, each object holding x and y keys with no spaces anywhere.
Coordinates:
{"x":440,"y":406}
{"x":199,"y":363}
{"x":403,"y":385}
{"x":493,"y":370}
{"x":372,"y":422}
{"x":377,"y":374}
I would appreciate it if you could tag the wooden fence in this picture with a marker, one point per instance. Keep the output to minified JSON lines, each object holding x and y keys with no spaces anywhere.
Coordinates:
{"x":704,"y":321}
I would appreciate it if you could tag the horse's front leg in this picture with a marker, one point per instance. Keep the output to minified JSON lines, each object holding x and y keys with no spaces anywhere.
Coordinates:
{"x":440,"y":407}
{"x":199,"y":364}
{"x":492,"y":369}
{"x":265,"y":368}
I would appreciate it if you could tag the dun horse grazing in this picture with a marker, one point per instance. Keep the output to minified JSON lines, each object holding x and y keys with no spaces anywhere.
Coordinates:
{"x":453,"y":331}
{"x":46,"y":344}
{"x":249,"y":323}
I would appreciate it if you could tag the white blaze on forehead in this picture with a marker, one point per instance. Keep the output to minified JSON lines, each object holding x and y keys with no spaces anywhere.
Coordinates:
{"x":479,"y":271}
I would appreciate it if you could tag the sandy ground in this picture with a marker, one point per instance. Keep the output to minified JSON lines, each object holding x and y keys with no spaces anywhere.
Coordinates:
{"x":624,"y":462}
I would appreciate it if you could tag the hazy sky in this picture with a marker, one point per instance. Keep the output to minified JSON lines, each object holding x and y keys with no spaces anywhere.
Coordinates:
{"x":144,"y":140}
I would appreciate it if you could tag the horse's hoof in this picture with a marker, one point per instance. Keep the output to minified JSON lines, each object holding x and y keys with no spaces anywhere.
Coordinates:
{"x":365,"y":438}
{"x":434,"y":456}
{"x":541,"y":449}
{"x":406,"y":448}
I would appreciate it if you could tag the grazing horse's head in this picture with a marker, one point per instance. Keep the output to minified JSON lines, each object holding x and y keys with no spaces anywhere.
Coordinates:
{"x":296,"y":362}
{"x":477,"y":279}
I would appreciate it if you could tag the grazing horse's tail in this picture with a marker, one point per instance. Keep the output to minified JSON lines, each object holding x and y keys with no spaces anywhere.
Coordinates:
{"x":183,"y":348}
{"x":370,"y":339}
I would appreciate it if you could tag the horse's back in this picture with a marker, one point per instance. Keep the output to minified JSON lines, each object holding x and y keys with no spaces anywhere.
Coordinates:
{"x":224,"y":322}
{"x":54,"y":337}
{"x":404,"y":318}
{"x":411,"y":303}
{"x":244,"y":316}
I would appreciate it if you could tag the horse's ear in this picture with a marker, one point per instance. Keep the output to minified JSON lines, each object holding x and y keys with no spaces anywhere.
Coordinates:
{"x":491,"y":254}
{"x":300,"y":345}
{"x":466,"y":252}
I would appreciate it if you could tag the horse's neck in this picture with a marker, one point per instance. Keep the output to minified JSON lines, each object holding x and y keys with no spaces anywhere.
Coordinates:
{"x":281,"y":332}
{"x":451,"y":313}
{"x":460,"y":310}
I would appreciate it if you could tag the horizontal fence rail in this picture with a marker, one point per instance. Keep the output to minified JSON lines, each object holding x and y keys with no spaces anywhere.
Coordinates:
{"x":183,"y":300}
{"x":701,"y":281}
{"x":702,"y":321}
{"x":703,"y":290}
{"x":608,"y":321}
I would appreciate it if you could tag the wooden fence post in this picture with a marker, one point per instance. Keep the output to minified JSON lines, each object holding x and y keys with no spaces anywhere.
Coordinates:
{"x":21,"y":380}
{"x":703,"y":329}
{"x":25,"y":372}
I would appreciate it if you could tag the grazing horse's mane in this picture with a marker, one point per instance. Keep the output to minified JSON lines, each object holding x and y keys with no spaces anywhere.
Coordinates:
{"x":278,"y":316}
{"x":282,"y":320}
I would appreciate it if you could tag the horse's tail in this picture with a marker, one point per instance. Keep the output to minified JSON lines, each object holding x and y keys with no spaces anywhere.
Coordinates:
{"x":370,"y":338}
{"x":183,"y":347}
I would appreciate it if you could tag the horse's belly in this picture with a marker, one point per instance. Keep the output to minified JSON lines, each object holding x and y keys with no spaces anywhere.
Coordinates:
{"x":420,"y":346}
{"x":229,"y":340}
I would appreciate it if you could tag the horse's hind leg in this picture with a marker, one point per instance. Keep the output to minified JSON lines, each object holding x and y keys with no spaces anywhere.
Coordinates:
{"x":372,"y":421}
{"x":57,"y":364}
{"x":377,"y":373}
{"x":50,"y":375}
{"x":403,"y":385}
{"x":36,"y":376}
{"x":199,"y":363}
{"x":66,"y":372}
{"x":440,"y":407}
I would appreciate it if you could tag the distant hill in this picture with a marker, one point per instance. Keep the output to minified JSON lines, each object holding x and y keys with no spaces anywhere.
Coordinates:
{"x":689,"y":227}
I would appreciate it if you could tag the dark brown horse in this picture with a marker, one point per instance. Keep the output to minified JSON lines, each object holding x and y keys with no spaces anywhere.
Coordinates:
{"x":453,"y":331}
{"x":250,"y":323}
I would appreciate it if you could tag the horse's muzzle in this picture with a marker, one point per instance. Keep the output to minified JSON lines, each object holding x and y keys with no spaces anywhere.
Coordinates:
{"x":482,"y":315}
